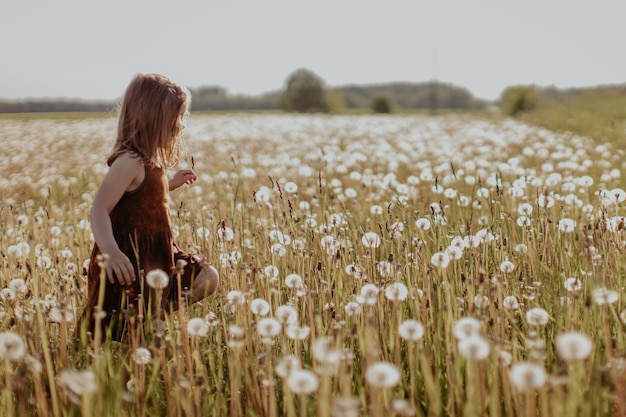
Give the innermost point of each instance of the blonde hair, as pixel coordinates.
(150, 120)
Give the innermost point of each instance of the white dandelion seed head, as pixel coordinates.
(369, 292)
(474, 347)
(297, 333)
(286, 314)
(157, 279)
(271, 271)
(268, 327)
(527, 376)
(507, 267)
(454, 252)
(291, 187)
(466, 327)
(142, 356)
(505, 358)
(440, 259)
(287, 364)
(525, 209)
(324, 351)
(567, 225)
(203, 232)
(79, 382)
(573, 284)
(572, 346)
(12, 347)
(604, 296)
(18, 286)
(371, 240)
(382, 375)
(197, 326)
(353, 308)
(537, 316)
(545, 201)
(376, 210)
(302, 381)
(57, 314)
(510, 302)
(260, 307)
(236, 336)
(293, 281)
(396, 291)
(402, 407)
(329, 243)
(411, 330)
(235, 298)
(481, 301)
(422, 224)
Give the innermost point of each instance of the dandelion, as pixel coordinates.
(346, 407)
(567, 225)
(523, 221)
(604, 296)
(396, 292)
(371, 240)
(454, 252)
(323, 351)
(197, 327)
(14, 251)
(573, 346)
(271, 271)
(545, 201)
(278, 249)
(268, 328)
(293, 281)
(286, 365)
(525, 209)
(466, 327)
(474, 347)
(402, 407)
(537, 316)
(302, 381)
(573, 284)
(384, 268)
(290, 187)
(527, 376)
(521, 248)
(422, 224)
(353, 308)
(142, 356)
(12, 347)
(286, 314)
(411, 330)
(7, 294)
(235, 336)
(507, 267)
(203, 232)
(510, 302)
(157, 279)
(376, 210)
(328, 244)
(18, 286)
(369, 292)
(297, 333)
(260, 307)
(504, 357)
(59, 315)
(440, 259)
(79, 382)
(382, 375)
(235, 298)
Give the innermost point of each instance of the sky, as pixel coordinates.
(91, 49)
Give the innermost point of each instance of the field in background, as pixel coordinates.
(370, 265)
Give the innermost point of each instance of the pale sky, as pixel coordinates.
(91, 49)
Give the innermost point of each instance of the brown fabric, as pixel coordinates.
(142, 229)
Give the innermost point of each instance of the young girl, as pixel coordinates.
(130, 214)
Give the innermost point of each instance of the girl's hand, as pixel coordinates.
(120, 267)
(183, 176)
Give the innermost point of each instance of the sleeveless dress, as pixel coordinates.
(142, 229)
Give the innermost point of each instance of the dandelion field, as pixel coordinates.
(369, 266)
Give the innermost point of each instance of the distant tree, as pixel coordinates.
(336, 100)
(382, 103)
(304, 92)
(518, 99)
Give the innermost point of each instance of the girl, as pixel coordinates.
(130, 214)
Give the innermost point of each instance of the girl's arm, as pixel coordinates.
(183, 176)
(126, 171)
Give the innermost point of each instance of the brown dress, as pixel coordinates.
(142, 229)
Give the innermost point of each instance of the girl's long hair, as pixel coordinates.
(150, 120)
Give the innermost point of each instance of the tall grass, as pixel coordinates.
(389, 265)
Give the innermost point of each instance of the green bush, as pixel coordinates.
(305, 92)
(382, 103)
(519, 99)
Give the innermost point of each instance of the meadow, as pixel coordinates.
(399, 265)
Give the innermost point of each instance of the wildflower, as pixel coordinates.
(203, 232)
(604, 296)
(297, 332)
(268, 328)
(12, 347)
(523, 221)
(474, 347)
(422, 224)
(142, 356)
(197, 327)
(384, 268)
(521, 248)
(278, 249)
(573, 284)
(440, 259)
(510, 302)
(376, 209)
(157, 279)
(18, 285)
(545, 201)
(260, 307)
(567, 225)
(235, 298)
(290, 187)
(293, 281)
(235, 336)
(79, 382)
(402, 407)
(286, 365)
(7, 294)
(328, 243)
(396, 292)
(371, 240)
(59, 314)
(537, 316)
(573, 346)
(525, 209)
(346, 407)
(481, 301)
(271, 271)
(411, 330)
(504, 357)
(353, 308)
(302, 381)
(454, 252)
(466, 327)
(382, 375)
(507, 267)
(527, 376)
(33, 364)
(286, 314)
(622, 316)
(14, 251)
(324, 351)
(369, 292)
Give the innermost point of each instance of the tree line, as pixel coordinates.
(304, 91)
